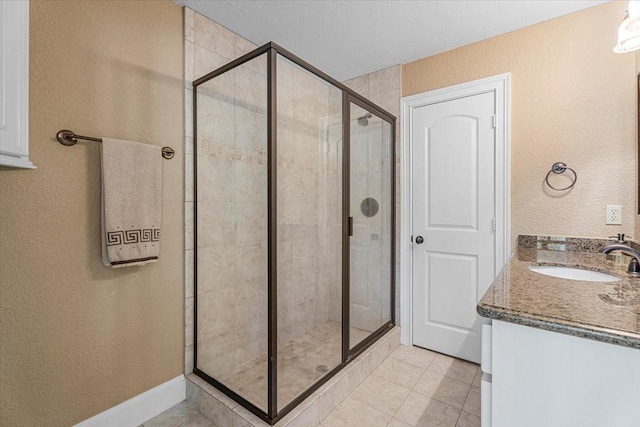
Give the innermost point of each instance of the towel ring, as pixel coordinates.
(559, 168)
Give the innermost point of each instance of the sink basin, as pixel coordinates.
(573, 273)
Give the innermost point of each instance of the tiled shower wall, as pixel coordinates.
(232, 236)
(309, 200)
(232, 176)
(232, 206)
(232, 202)
(371, 162)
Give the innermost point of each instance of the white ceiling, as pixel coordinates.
(349, 38)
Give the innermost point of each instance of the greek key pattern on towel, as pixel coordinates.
(126, 237)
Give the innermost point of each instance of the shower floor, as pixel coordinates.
(301, 363)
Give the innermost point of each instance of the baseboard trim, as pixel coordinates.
(142, 407)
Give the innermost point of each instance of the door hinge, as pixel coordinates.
(494, 121)
(493, 224)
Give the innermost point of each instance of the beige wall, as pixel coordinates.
(573, 100)
(78, 338)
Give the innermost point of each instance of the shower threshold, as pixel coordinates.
(224, 411)
(298, 361)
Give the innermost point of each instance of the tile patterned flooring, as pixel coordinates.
(297, 364)
(412, 387)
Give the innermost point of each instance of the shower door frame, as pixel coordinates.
(272, 50)
(347, 351)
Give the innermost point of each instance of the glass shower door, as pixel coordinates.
(371, 210)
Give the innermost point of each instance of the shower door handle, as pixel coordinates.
(350, 226)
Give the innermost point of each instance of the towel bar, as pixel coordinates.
(69, 138)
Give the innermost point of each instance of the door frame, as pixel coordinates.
(500, 85)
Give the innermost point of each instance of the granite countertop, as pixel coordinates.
(607, 312)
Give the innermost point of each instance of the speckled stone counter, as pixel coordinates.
(607, 312)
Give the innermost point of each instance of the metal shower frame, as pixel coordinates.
(272, 415)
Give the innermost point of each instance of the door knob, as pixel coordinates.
(419, 240)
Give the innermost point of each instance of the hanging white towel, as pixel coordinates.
(131, 202)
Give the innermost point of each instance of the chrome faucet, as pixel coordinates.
(634, 265)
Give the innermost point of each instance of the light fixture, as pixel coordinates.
(629, 31)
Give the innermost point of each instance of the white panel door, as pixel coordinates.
(453, 221)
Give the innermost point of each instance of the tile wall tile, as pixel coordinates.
(188, 328)
(304, 415)
(188, 239)
(188, 191)
(251, 87)
(189, 61)
(188, 274)
(242, 46)
(215, 120)
(207, 60)
(215, 224)
(177, 415)
(217, 267)
(216, 179)
(189, 24)
(390, 101)
(359, 84)
(385, 80)
(250, 221)
(212, 408)
(250, 129)
(188, 112)
(214, 37)
(222, 87)
(188, 359)
(243, 418)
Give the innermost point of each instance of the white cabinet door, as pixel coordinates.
(485, 401)
(14, 84)
(548, 379)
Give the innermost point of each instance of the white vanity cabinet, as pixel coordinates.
(14, 84)
(541, 378)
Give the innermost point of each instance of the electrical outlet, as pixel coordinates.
(614, 215)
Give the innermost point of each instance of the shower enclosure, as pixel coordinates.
(294, 228)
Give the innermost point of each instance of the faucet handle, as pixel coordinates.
(620, 237)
